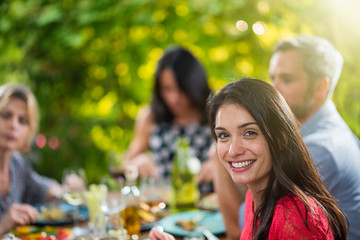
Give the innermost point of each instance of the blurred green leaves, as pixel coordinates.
(91, 63)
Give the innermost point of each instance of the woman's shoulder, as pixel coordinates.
(145, 117)
(145, 113)
(18, 160)
(293, 219)
(291, 202)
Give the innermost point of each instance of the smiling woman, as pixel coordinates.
(259, 144)
(242, 147)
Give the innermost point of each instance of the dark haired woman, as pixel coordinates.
(259, 144)
(177, 109)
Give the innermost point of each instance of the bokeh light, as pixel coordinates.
(40, 140)
(241, 25)
(263, 7)
(53, 143)
(122, 69)
(259, 28)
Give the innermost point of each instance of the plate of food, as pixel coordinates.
(41, 233)
(53, 214)
(193, 222)
(208, 202)
(151, 212)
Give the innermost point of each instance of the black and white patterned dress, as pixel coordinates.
(162, 143)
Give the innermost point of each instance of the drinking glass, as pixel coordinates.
(111, 209)
(74, 185)
(115, 161)
(95, 196)
(153, 194)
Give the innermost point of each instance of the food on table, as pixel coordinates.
(52, 214)
(151, 211)
(209, 202)
(187, 225)
(146, 217)
(41, 233)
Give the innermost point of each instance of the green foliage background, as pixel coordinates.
(91, 63)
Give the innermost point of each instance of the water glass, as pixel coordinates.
(111, 209)
(74, 185)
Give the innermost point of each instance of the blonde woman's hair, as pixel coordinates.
(18, 91)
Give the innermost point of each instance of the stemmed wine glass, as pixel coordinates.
(115, 161)
(74, 185)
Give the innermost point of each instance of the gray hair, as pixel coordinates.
(319, 56)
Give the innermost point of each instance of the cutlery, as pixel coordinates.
(208, 234)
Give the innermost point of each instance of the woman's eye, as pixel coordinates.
(23, 121)
(250, 133)
(5, 115)
(222, 135)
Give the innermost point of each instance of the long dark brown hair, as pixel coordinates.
(189, 75)
(293, 171)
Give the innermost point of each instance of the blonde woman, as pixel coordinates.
(20, 186)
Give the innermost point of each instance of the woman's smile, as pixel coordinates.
(241, 165)
(241, 146)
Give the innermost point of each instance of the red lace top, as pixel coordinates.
(287, 222)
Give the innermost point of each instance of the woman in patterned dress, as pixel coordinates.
(177, 109)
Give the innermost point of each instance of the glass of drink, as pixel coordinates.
(115, 161)
(74, 185)
(111, 209)
(95, 196)
(153, 194)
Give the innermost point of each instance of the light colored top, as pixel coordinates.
(26, 186)
(336, 154)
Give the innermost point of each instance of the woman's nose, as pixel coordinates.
(13, 122)
(175, 96)
(236, 147)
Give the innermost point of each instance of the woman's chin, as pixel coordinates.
(239, 179)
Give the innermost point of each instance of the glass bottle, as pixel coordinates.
(185, 192)
(132, 196)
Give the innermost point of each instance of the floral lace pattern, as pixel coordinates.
(288, 221)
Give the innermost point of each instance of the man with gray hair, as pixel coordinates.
(305, 70)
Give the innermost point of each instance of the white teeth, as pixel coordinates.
(241, 164)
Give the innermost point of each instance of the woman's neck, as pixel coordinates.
(257, 188)
(4, 160)
(186, 119)
(256, 195)
(4, 172)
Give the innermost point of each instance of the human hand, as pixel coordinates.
(145, 164)
(74, 180)
(207, 170)
(206, 174)
(158, 234)
(17, 214)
